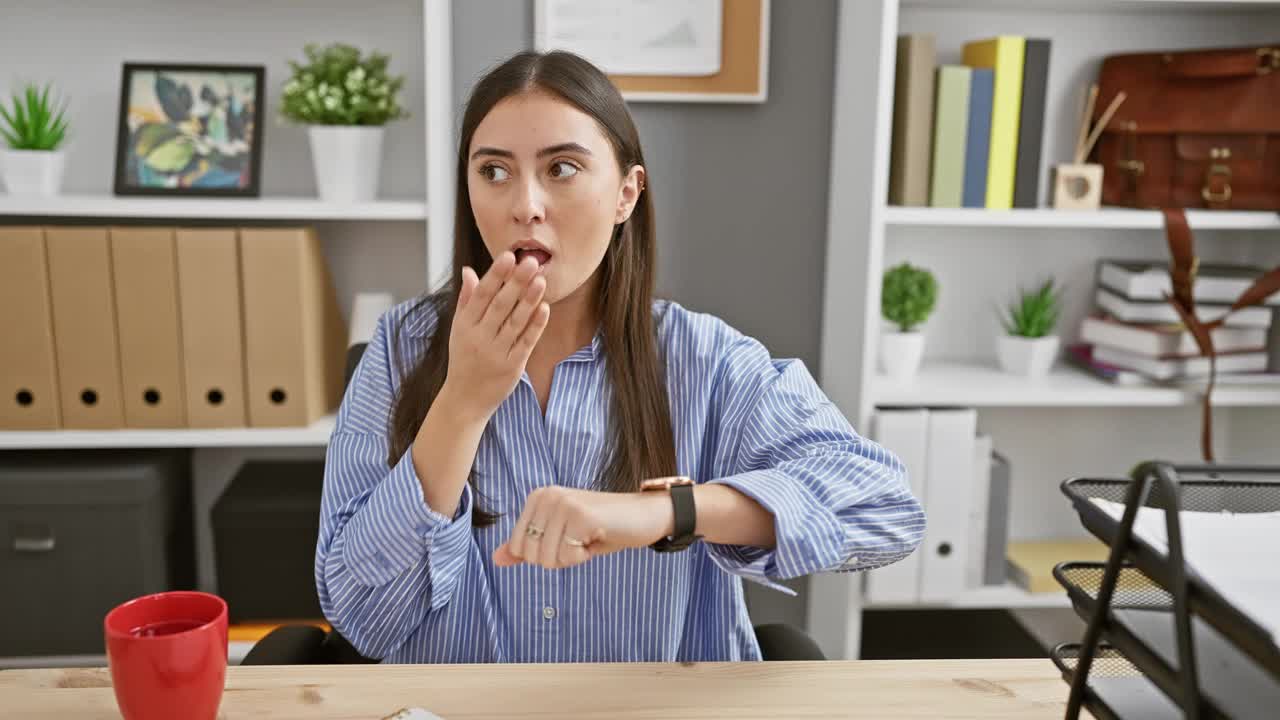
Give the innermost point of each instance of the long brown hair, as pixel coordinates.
(641, 443)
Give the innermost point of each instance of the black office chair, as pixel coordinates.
(311, 645)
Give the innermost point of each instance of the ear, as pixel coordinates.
(629, 194)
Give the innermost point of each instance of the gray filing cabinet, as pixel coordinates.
(82, 531)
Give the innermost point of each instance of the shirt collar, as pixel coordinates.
(419, 322)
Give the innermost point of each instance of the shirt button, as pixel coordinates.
(548, 613)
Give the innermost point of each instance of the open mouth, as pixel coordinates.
(542, 256)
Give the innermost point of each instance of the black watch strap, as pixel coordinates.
(686, 521)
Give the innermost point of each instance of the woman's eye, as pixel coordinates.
(493, 173)
(564, 169)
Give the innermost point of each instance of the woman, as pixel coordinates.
(482, 497)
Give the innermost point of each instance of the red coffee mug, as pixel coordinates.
(168, 655)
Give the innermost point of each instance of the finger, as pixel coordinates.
(573, 550)
(549, 548)
(597, 543)
(489, 286)
(532, 333)
(502, 557)
(507, 297)
(518, 544)
(572, 556)
(519, 318)
(469, 283)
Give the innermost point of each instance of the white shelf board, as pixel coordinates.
(263, 208)
(1106, 218)
(984, 385)
(1093, 6)
(316, 434)
(236, 650)
(993, 596)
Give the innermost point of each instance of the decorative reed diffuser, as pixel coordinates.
(1078, 185)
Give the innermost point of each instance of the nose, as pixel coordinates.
(528, 205)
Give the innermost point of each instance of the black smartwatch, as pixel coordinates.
(686, 515)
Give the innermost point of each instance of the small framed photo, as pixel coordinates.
(189, 129)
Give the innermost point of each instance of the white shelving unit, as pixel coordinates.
(364, 242)
(981, 257)
(437, 109)
(313, 435)
(984, 385)
(1105, 219)
(264, 208)
(994, 596)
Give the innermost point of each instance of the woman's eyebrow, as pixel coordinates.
(564, 147)
(552, 150)
(492, 151)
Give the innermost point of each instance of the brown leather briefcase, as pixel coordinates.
(1197, 129)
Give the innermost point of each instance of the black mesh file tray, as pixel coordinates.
(1199, 488)
(1141, 625)
(1156, 628)
(1116, 689)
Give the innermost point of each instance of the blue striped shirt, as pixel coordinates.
(406, 584)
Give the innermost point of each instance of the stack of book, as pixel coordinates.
(969, 135)
(1134, 335)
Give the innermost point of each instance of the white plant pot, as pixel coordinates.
(347, 160)
(32, 172)
(900, 353)
(1031, 357)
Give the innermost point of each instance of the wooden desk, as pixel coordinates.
(879, 689)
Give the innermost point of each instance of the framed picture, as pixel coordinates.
(189, 130)
(666, 50)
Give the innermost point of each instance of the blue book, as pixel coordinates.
(978, 141)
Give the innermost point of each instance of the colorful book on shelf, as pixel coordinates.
(1183, 366)
(978, 138)
(1154, 340)
(1035, 87)
(950, 130)
(1142, 280)
(1081, 355)
(1004, 55)
(1160, 311)
(911, 148)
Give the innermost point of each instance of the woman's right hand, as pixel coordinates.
(497, 323)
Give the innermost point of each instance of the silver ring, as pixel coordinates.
(572, 542)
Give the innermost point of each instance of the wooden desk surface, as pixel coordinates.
(879, 689)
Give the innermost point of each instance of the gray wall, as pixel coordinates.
(740, 189)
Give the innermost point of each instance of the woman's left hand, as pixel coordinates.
(562, 527)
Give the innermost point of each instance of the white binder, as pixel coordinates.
(904, 432)
(975, 569)
(944, 554)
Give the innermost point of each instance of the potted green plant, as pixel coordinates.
(1029, 346)
(34, 130)
(907, 298)
(345, 99)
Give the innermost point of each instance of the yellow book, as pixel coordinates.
(1004, 55)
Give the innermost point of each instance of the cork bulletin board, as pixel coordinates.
(743, 71)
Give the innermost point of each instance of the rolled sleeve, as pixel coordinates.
(384, 559)
(808, 535)
(839, 501)
(396, 528)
